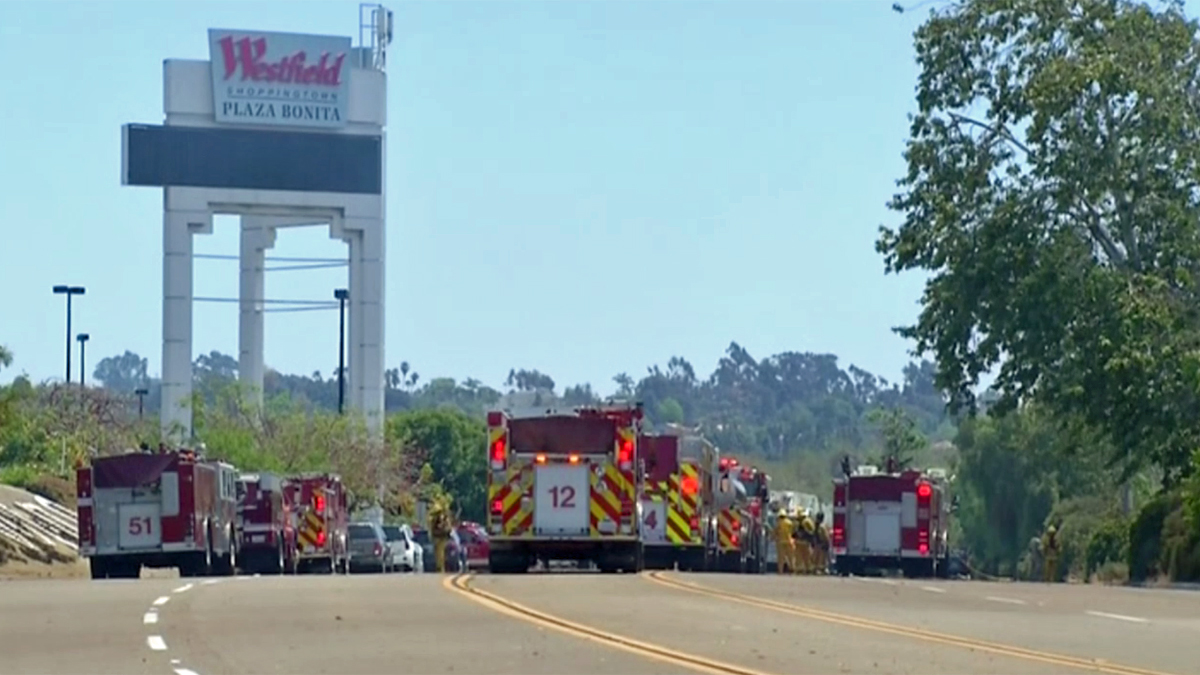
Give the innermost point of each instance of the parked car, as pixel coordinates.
(369, 550)
(475, 543)
(421, 536)
(407, 554)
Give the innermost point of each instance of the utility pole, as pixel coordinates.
(141, 393)
(69, 291)
(341, 294)
(83, 338)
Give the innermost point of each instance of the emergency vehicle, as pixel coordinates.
(738, 540)
(268, 544)
(676, 499)
(172, 509)
(321, 518)
(563, 485)
(898, 520)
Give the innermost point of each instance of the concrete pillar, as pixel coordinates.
(256, 238)
(179, 225)
(365, 319)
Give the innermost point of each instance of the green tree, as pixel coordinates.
(1060, 224)
(901, 440)
(453, 444)
(6, 357)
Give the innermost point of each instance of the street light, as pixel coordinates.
(141, 393)
(341, 294)
(83, 338)
(69, 291)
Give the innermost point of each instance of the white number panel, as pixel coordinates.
(654, 522)
(138, 526)
(562, 498)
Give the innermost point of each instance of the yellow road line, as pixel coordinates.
(1095, 665)
(461, 584)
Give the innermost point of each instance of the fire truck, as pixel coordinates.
(891, 520)
(168, 509)
(676, 499)
(563, 486)
(268, 544)
(321, 518)
(738, 540)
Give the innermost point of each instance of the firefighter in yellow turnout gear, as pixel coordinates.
(821, 546)
(1050, 554)
(440, 529)
(784, 546)
(805, 545)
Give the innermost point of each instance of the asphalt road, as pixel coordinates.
(592, 624)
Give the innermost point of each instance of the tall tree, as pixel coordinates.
(1050, 191)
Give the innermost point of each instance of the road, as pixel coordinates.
(591, 624)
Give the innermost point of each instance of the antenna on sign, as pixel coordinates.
(374, 21)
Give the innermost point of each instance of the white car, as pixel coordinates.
(406, 553)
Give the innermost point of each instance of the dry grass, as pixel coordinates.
(20, 570)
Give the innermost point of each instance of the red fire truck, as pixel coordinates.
(676, 499)
(563, 485)
(321, 520)
(171, 509)
(738, 541)
(265, 509)
(897, 520)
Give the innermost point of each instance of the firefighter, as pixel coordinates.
(785, 548)
(804, 551)
(439, 530)
(1050, 554)
(821, 551)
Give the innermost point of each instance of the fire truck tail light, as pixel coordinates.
(574, 459)
(541, 459)
(319, 503)
(689, 485)
(839, 536)
(625, 454)
(734, 539)
(923, 549)
(924, 490)
(321, 538)
(497, 507)
(498, 453)
(695, 523)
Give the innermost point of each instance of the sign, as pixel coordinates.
(139, 526)
(280, 79)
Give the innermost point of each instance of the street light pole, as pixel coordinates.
(341, 294)
(141, 394)
(69, 291)
(83, 338)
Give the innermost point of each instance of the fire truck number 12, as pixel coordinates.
(139, 526)
(563, 497)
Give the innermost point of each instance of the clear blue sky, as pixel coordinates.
(583, 188)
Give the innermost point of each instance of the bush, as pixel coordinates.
(1180, 556)
(1079, 519)
(1114, 572)
(1109, 544)
(1146, 534)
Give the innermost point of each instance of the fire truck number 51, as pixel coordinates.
(139, 526)
(563, 497)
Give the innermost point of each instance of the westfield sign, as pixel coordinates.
(280, 79)
(249, 55)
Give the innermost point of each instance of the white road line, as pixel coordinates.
(156, 643)
(175, 662)
(150, 617)
(162, 601)
(210, 582)
(933, 589)
(184, 588)
(1119, 617)
(184, 671)
(877, 580)
(1010, 601)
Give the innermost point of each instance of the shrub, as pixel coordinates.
(1145, 536)
(1109, 544)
